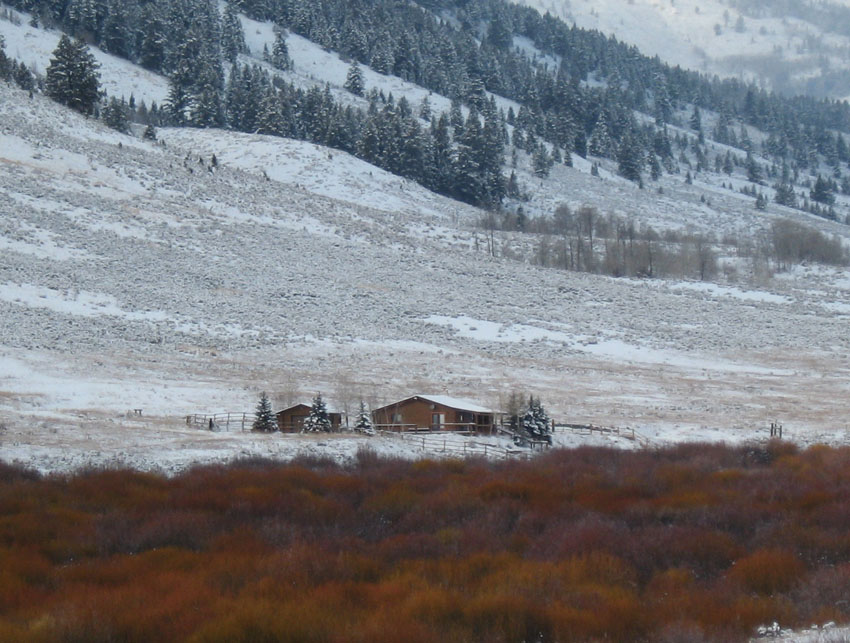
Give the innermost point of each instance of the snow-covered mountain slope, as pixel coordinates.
(135, 275)
(786, 53)
(34, 47)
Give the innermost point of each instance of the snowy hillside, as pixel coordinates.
(786, 53)
(134, 275)
(144, 275)
(34, 46)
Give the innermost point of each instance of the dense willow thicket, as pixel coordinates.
(697, 542)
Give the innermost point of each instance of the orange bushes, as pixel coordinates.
(699, 542)
(768, 571)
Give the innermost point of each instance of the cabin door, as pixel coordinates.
(437, 421)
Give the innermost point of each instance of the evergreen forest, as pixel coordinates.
(585, 93)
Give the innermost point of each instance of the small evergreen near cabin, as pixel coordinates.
(264, 421)
(318, 420)
(364, 421)
(536, 423)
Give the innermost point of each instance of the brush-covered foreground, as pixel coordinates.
(698, 542)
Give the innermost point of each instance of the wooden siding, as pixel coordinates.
(291, 420)
(421, 414)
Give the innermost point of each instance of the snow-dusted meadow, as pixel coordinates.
(134, 275)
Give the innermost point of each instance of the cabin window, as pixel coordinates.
(397, 418)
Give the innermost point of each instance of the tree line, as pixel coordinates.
(193, 43)
(586, 240)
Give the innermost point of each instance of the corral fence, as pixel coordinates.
(221, 421)
(627, 433)
(449, 439)
(454, 445)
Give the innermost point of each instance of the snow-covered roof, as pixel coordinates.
(455, 403)
(330, 407)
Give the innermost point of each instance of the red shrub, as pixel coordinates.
(768, 571)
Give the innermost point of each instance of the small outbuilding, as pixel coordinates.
(291, 419)
(434, 413)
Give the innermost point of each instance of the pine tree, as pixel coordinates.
(654, 166)
(535, 422)
(784, 190)
(754, 171)
(761, 201)
(5, 62)
(728, 164)
(630, 159)
(72, 78)
(696, 120)
(364, 420)
(115, 115)
(23, 77)
(280, 52)
(822, 192)
(118, 37)
(232, 36)
(425, 112)
(354, 80)
(153, 38)
(264, 421)
(541, 161)
(149, 133)
(318, 420)
(600, 143)
(206, 106)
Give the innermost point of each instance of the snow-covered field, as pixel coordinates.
(135, 276)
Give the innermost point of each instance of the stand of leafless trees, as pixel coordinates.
(585, 240)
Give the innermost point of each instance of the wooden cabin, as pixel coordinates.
(291, 419)
(434, 413)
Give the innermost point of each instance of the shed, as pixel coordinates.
(434, 413)
(291, 419)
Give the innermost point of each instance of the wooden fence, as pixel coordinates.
(438, 441)
(589, 429)
(222, 421)
(453, 445)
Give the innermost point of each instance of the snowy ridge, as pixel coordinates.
(707, 36)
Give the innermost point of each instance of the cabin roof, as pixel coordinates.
(457, 403)
(309, 405)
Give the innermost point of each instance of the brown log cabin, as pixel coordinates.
(291, 419)
(434, 413)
